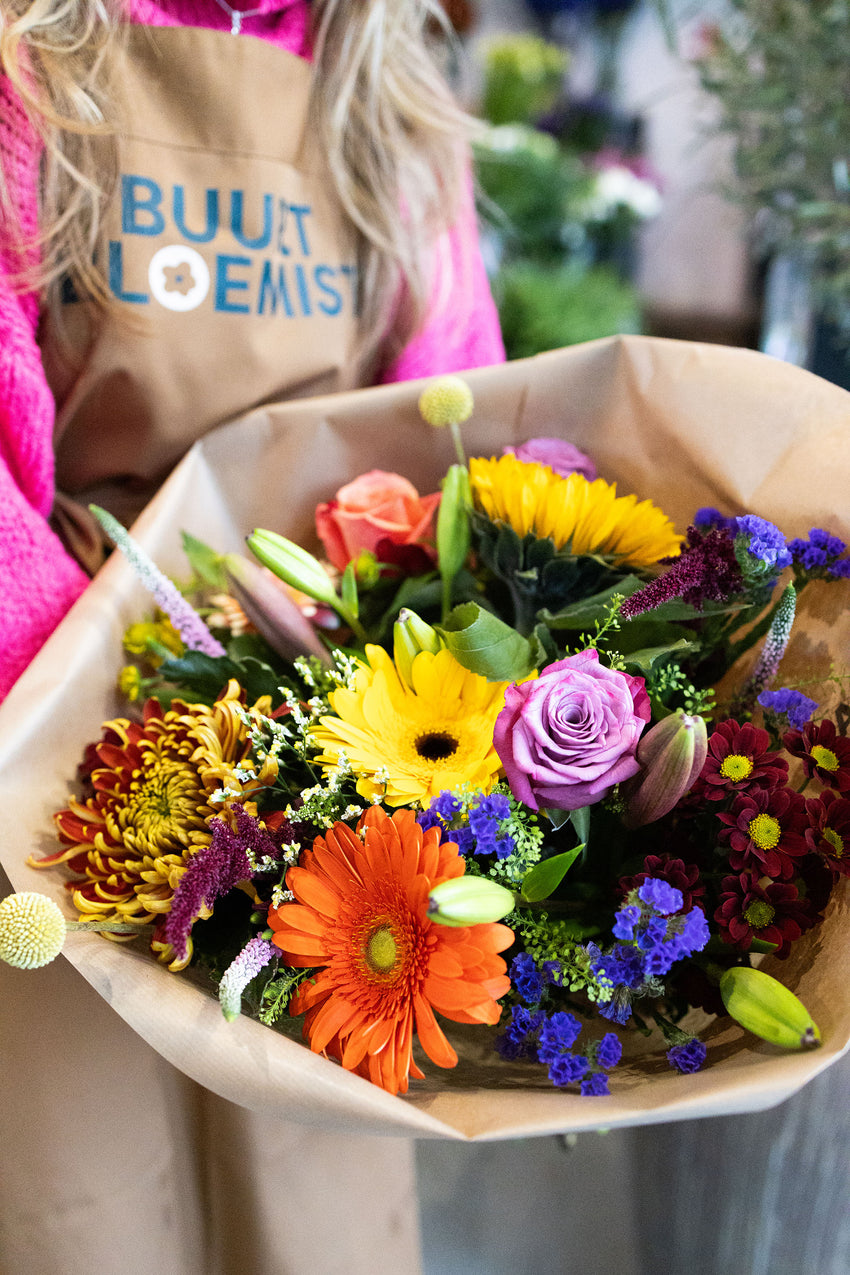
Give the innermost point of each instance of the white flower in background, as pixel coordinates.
(616, 186)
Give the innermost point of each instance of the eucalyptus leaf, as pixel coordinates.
(544, 878)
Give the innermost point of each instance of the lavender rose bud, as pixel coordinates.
(560, 456)
(566, 738)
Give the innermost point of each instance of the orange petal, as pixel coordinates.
(431, 1035)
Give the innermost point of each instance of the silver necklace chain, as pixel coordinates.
(237, 16)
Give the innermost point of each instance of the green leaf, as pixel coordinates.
(206, 676)
(649, 655)
(585, 613)
(545, 877)
(348, 590)
(205, 562)
(484, 644)
(580, 819)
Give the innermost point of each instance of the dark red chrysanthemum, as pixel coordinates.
(739, 760)
(823, 752)
(774, 912)
(765, 832)
(683, 876)
(828, 834)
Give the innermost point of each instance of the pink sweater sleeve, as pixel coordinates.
(462, 328)
(38, 580)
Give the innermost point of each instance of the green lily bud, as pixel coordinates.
(294, 565)
(469, 901)
(411, 635)
(672, 754)
(453, 528)
(767, 1008)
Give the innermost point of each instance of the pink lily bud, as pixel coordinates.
(671, 756)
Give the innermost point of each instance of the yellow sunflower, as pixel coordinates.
(435, 734)
(153, 784)
(584, 517)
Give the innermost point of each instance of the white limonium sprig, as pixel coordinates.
(167, 596)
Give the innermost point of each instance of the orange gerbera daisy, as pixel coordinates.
(361, 917)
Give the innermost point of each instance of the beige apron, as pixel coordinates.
(230, 254)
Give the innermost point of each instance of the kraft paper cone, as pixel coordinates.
(684, 424)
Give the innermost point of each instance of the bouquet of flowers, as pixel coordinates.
(516, 754)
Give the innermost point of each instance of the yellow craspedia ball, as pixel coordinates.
(446, 401)
(32, 930)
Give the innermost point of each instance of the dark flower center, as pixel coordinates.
(759, 914)
(825, 758)
(436, 745)
(736, 767)
(765, 831)
(835, 840)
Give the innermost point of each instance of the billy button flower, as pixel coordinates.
(828, 834)
(824, 753)
(773, 912)
(765, 832)
(739, 760)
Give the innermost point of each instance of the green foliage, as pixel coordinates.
(523, 76)
(543, 308)
(780, 70)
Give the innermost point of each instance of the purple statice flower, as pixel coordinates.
(567, 1069)
(529, 981)
(818, 553)
(519, 1039)
(774, 647)
(763, 541)
(558, 1034)
(608, 1051)
(247, 965)
(595, 1085)
(839, 570)
(480, 834)
(688, 1057)
(708, 518)
(796, 707)
(625, 921)
(705, 571)
(622, 966)
(660, 895)
(213, 871)
(167, 596)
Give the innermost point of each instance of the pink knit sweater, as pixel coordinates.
(38, 580)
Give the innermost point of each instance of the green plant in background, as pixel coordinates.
(545, 309)
(551, 213)
(780, 70)
(523, 78)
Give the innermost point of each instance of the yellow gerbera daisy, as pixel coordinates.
(584, 517)
(435, 734)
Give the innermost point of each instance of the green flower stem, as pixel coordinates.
(458, 442)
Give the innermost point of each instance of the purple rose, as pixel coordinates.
(566, 738)
(561, 457)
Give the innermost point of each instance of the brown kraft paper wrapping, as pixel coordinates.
(684, 424)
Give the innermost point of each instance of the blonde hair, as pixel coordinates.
(384, 115)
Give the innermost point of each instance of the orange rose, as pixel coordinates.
(375, 507)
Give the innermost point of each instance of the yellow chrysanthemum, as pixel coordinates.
(153, 788)
(581, 516)
(435, 734)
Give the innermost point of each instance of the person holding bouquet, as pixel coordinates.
(207, 208)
